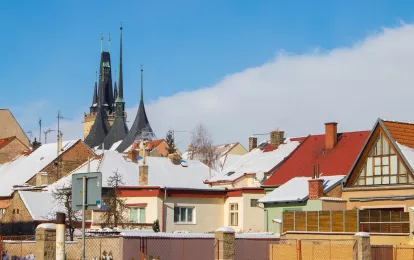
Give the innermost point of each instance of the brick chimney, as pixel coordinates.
(132, 155)
(252, 143)
(277, 137)
(331, 135)
(36, 144)
(315, 184)
(143, 175)
(59, 144)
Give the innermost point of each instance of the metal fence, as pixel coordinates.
(253, 249)
(314, 249)
(17, 247)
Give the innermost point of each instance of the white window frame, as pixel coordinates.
(179, 209)
(139, 220)
(234, 212)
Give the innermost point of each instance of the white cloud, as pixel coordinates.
(299, 93)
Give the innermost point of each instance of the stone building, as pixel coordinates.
(10, 148)
(10, 127)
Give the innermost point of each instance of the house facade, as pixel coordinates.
(10, 127)
(10, 148)
(382, 175)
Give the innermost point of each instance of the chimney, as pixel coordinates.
(252, 143)
(41, 179)
(143, 175)
(331, 135)
(132, 155)
(36, 144)
(276, 137)
(315, 184)
(59, 144)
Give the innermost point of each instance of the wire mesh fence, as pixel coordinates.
(328, 249)
(283, 249)
(178, 248)
(253, 249)
(403, 252)
(17, 247)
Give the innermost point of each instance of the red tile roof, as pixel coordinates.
(337, 161)
(5, 141)
(402, 132)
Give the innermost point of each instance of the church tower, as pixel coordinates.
(119, 128)
(107, 102)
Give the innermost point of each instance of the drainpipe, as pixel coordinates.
(266, 220)
(164, 220)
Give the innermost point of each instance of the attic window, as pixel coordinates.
(41, 158)
(262, 145)
(229, 173)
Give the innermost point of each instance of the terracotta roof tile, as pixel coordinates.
(336, 161)
(402, 132)
(5, 141)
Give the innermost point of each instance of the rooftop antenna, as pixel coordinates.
(109, 42)
(142, 83)
(101, 40)
(30, 136)
(46, 133)
(40, 131)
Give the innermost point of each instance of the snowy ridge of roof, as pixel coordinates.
(161, 172)
(255, 161)
(408, 153)
(115, 145)
(297, 189)
(332, 199)
(41, 205)
(398, 122)
(24, 167)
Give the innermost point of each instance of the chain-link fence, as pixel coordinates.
(313, 249)
(253, 249)
(403, 252)
(17, 247)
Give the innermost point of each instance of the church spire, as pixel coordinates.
(95, 95)
(115, 92)
(121, 78)
(142, 84)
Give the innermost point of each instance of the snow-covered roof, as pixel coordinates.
(24, 167)
(297, 189)
(255, 161)
(41, 205)
(161, 171)
(229, 159)
(115, 145)
(408, 153)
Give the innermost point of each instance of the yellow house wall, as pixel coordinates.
(207, 214)
(10, 127)
(226, 211)
(347, 194)
(253, 217)
(238, 150)
(333, 205)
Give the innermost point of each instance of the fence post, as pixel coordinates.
(299, 249)
(364, 245)
(227, 247)
(45, 247)
(60, 235)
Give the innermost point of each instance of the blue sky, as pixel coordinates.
(51, 48)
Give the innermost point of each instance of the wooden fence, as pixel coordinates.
(346, 221)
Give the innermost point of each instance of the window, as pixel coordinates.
(2, 212)
(229, 173)
(234, 214)
(137, 215)
(184, 215)
(253, 202)
(383, 166)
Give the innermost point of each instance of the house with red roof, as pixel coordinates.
(10, 148)
(382, 176)
(331, 154)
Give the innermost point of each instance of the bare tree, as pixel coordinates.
(114, 206)
(202, 147)
(63, 195)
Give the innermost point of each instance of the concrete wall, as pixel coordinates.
(207, 214)
(333, 205)
(347, 194)
(275, 211)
